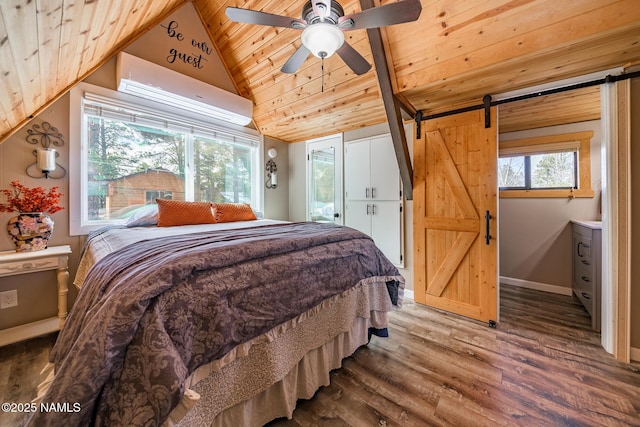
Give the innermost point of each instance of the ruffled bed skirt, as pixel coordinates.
(264, 382)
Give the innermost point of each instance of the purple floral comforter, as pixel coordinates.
(152, 312)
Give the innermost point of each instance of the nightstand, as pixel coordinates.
(15, 263)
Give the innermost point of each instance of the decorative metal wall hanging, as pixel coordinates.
(45, 165)
(272, 169)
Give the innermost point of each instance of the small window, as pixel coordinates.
(511, 172)
(549, 166)
(539, 171)
(151, 196)
(554, 170)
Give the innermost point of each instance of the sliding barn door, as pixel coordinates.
(455, 197)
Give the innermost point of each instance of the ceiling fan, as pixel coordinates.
(323, 23)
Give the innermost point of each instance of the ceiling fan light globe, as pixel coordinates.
(322, 39)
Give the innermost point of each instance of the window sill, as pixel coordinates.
(567, 194)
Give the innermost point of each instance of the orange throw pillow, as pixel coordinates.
(178, 212)
(230, 212)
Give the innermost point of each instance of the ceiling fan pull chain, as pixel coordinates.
(322, 89)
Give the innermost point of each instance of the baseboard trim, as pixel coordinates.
(545, 287)
(408, 293)
(635, 354)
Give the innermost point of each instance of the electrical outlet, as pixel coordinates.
(8, 299)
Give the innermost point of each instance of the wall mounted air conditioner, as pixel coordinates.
(154, 82)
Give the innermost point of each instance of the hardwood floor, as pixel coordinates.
(20, 366)
(542, 366)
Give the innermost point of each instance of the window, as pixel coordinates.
(151, 196)
(131, 155)
(539, 171)
(550, 166)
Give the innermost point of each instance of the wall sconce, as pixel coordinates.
(45, 165)
(271, 168)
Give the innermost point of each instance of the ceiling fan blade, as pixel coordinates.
(353, 59)
(296, 60)
(382, 16)
(262, 18)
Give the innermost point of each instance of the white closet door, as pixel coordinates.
(356, 171)
(385, 229)
(358, 215)
(385, 174)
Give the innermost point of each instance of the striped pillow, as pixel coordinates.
(179, 212)
(230, 212)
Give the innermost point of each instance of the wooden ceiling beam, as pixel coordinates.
(391, 105)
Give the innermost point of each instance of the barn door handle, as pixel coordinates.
(487, 235)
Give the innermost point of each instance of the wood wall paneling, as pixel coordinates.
(454, 54)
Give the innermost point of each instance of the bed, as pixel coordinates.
(214, 324)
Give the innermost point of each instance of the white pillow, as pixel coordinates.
(144, 216)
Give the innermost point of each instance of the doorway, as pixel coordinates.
(324, 178)
(613, 204)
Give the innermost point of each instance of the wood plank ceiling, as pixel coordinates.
(457, 51)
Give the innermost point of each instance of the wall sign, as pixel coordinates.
(188, 50)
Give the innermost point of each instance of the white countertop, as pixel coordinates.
(596, 225)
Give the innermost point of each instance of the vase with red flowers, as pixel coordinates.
(31, 229)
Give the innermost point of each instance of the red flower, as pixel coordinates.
(29, 200)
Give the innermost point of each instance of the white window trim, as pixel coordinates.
(77, 151)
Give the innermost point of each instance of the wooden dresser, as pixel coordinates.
(587, 267)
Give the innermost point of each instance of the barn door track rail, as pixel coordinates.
(487, 102)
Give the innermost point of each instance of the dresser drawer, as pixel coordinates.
(584, 263)
(587, 300)
(582, 246)
(584, 281)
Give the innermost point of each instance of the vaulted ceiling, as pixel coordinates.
(458, 51)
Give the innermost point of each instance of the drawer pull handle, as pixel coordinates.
(585, 262)
(586, 295)
(579, 254)
(586, 279)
